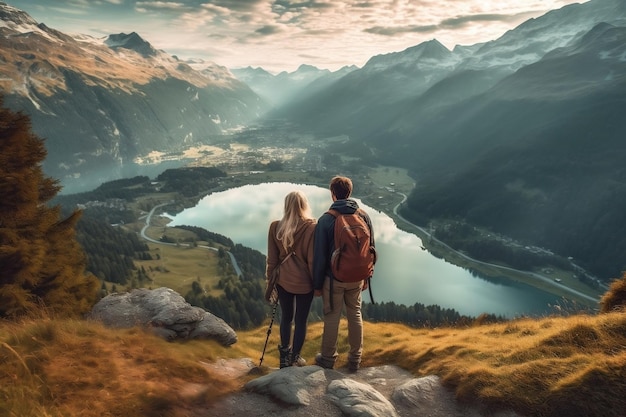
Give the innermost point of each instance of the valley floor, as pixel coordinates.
(385, 189)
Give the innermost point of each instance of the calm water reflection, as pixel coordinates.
(404, 273)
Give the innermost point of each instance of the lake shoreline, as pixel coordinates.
(385, 189)
(418, 275)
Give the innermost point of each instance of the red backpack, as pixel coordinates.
(354, 256)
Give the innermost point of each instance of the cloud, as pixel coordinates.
(239, 5)
(78, 3)
(300, 5)
(280, 34)
(401, 30)
(70, 11)
(160, 5)
(460, 21)
(69, 6)
(452, 23)
(365, 4)
(268, 30)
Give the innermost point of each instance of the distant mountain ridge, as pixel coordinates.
(99, 103)
(286, 86)
(394, 77)
(524, 135)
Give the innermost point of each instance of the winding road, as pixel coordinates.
(149, 239)
(504, 268)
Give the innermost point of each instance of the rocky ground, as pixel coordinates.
(311, 391)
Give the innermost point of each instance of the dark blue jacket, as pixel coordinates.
(324, 242)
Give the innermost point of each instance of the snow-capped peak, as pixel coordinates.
(20, 21)
(131, 41)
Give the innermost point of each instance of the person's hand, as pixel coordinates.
(317, 293)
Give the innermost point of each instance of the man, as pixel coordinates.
(335, 293)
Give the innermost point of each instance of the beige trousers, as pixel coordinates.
(346, 294)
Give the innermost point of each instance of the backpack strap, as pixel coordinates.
(287, 257)
(283, 261)
(271, 294)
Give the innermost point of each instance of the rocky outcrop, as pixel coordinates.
(311, 391)
(164, 312)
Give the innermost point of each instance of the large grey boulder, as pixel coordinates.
(163, 311)
(358, 399)
(292, 385)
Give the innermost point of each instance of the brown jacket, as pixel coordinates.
(296, 274)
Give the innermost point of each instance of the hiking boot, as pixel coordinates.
(324, 363)
(298, 360)
(353, 366)
(285, 356)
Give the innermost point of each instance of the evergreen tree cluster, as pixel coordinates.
(205, 235)
(126, 189)
(251, 262)
(190, 181)
(41, 262)
(110, 217)
(242, 305)
(420, 315)
(110, 250)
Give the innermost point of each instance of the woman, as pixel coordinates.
(292, 234)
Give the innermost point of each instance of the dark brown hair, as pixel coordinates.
(341, 187)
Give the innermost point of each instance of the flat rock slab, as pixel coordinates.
(311, 391)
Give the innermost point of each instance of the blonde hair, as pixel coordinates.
(296, 208)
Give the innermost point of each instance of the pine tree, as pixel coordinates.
(41, 263)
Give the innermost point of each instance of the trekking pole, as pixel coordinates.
(269, 331)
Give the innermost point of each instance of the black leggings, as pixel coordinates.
(289, 302)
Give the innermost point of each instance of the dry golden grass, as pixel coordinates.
(574, 366)
(555, 366)
(177, 267)
(79, 368)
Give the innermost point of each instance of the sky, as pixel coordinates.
(281, 35)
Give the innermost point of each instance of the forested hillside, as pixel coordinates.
(110, 250)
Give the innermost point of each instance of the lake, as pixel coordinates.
(404, 274)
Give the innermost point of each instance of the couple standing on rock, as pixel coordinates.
(311, 245)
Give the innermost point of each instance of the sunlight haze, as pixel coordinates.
(281, 35)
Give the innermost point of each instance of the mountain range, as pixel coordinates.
(523, 135)
(100, 103)
(285, 87)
